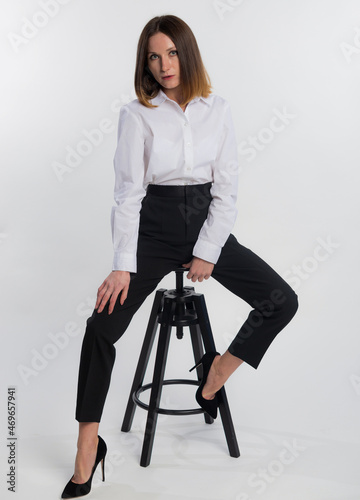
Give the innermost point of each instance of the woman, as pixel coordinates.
(175, 190)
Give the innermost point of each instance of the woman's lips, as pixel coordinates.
(167, 77)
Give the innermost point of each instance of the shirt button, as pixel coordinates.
(188, 168)
(185, 124)
(189, 143)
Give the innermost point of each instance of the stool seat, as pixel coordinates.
(179, 307)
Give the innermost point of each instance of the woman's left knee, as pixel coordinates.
(290, 305)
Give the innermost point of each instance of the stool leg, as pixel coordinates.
(228, 424)
(198, 350)
(143, 359)
(209, 344)
(158, 378)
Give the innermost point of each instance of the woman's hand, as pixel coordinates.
(199, 269)
(116, 282)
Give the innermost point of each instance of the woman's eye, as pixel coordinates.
(171, 52)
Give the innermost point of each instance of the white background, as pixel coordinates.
(297, 191)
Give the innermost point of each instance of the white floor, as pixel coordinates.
(190, 460)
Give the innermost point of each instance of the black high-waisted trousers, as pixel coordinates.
(170, 220)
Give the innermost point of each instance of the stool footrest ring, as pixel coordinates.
(165, 411)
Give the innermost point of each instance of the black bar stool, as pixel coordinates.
(177, 307)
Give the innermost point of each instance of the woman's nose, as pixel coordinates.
(165, 64)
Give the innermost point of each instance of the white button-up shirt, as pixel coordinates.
(168, 146)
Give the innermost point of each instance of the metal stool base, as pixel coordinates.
(174, 308)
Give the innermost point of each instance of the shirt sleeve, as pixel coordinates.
(129, 190)
(222, 209)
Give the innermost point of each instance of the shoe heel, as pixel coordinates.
(103, 468)
(197, 364)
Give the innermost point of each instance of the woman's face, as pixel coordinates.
(162, 59)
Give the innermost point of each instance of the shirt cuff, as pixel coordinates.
(124, 262)
(207, 251)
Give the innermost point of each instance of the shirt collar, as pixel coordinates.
(161, 97)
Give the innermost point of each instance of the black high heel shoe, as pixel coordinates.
(209, 405)
(73, 490)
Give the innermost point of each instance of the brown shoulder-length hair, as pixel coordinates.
(195, 80)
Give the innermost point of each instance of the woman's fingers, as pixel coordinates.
(116, 282)
(199, 270)
(100, 294)
(104, 297)
(124, 294)
(114, 297)
(112, 302)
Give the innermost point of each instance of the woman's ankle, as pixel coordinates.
(227, 364)
(88, 435)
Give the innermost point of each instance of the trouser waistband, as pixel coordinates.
(177, 191)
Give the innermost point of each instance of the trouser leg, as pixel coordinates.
(249, 277)
(103, 330)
